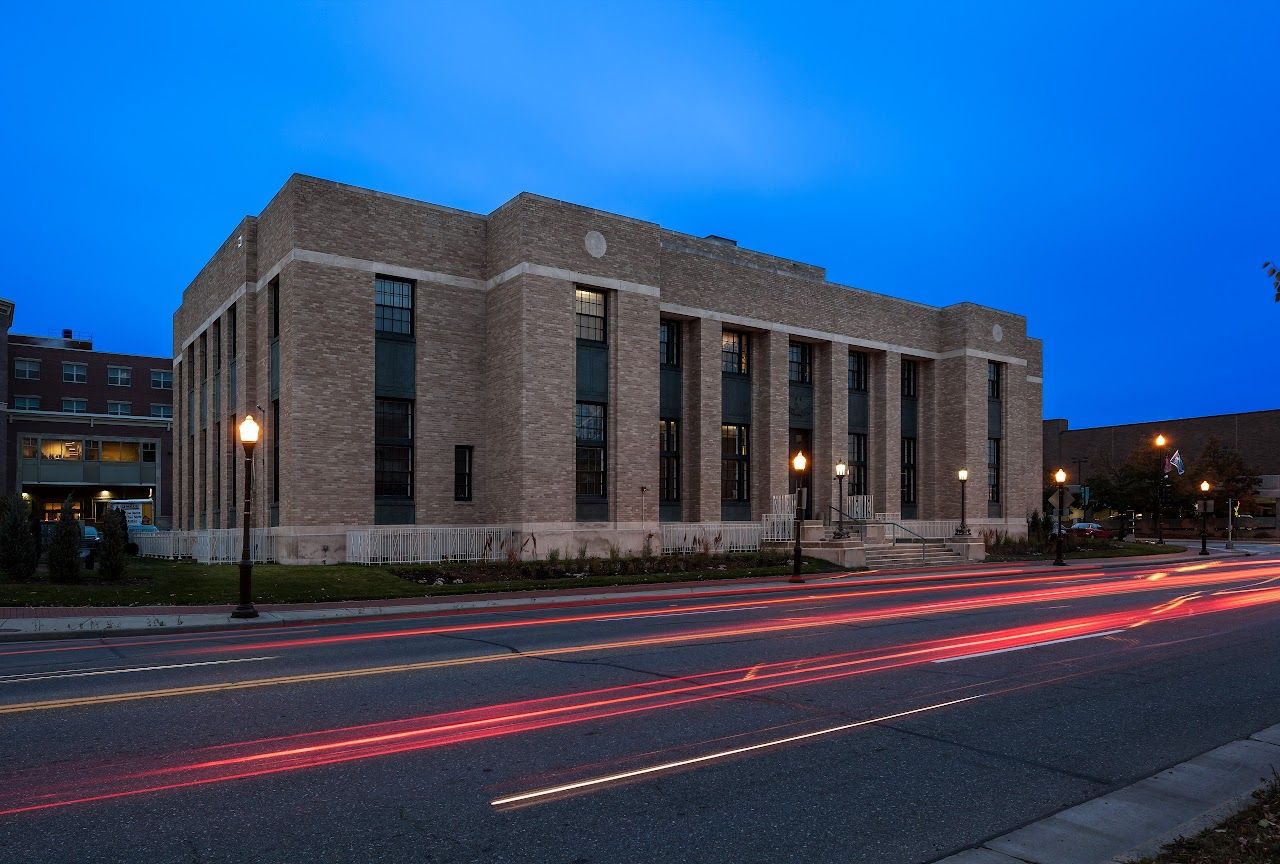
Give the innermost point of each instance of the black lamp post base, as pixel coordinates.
(963, 532)
(244, 612)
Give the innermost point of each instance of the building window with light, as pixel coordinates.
(119, 376)
(800, 363)
(589, 315)
(393, 448)
(30, 448)
(75, 373)
(734, 351)
(735, 464)
(26, 370)
(393, 306)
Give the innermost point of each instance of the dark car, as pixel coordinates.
(1089, 529)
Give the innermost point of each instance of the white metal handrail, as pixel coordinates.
(686, 538)
(420, 544)
(924, 529)
(778, 526)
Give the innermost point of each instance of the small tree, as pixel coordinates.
(1273, 271)
(17, 546)
(64, 546)
(115, 537)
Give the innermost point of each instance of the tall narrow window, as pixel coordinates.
(231, 333)
(393, 310)
(462, 456)
(216, 479)
(858, 371)
(275, 452)
(668, 461)
(910, 371)
(273, 291)
(734, 350)
(588, 307)
(735, 465)
(669, 343)
(589, 432)
(993, 380)
(993, 469)
(908, 471)
(858, 464)
(393, 448)
(800, 363)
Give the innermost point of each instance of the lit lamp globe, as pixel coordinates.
(963, 474)
(799, 461)
(1204, 486)
(1160, 440)
(841, 469)
(1060, 476)
(249, 430)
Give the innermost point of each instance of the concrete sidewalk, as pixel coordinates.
(1140, 819)
(24, 623)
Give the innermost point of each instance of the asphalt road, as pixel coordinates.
(844, 720)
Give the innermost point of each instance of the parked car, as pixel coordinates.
(89, 540)
(135, 530)
(1089, 529)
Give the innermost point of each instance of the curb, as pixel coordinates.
(1143, 817)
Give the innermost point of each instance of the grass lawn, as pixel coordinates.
(1249, 837)
(151, 582)
(1113, 549)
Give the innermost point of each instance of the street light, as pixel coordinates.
(248, 438)
(1204, 517)
(1161, 442)
(841, 471)
(1061, 477)
(797, 464)
(963, 530)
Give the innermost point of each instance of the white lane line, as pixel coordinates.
(676, 614)
(1032, 645)
(69, 673)
(720, 754)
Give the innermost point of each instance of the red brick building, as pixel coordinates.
(87, 424)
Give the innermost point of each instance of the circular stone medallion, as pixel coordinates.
(997, 333)
(595, 243)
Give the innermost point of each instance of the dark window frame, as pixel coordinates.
(393, 306)
(993, 470)
(669, 460)
(735, 462)
(73, 367)
(590, 316)
(591, 456)
(158, 375)
(75, 399)
(669, 342)
(910, 379)
(735, 352)
(393, 469)
(463, 468)
(858, 478)
(993, 380)
(799, 363)
(859, 371)
(909, 489)
(20, 374)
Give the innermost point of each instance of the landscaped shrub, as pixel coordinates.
(64, 547)
(17, 547)
(115, 537)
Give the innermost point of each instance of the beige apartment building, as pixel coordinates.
(579, 374)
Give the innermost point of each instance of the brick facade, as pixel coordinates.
(494, 365)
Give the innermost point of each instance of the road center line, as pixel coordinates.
(27, 677)
(675, 614)
(1032, 645)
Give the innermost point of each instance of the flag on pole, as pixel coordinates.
(1175, 461)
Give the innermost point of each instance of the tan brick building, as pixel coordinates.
(417, 364)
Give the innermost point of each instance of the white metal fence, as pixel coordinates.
(778, 526)
(411, 544)
(929, 529)
(165, 544)
(223, 545)
(858, 507)
(686, 538)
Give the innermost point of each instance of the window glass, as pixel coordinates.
(993, 380)
(734, 465)
(120, 451)
(590, 462)
(800, 363)
(668, 460)
(909, 375)
(858, 370)
(92, 451)
(858, 464)
(908, 471)
(589, 422)
(26, 403)
(119, 409)
(162, 411)
(26, 369)
(733, 351)
(588, 307)
(393, 309)
(669, 343)
(393, 453)
(75, 373)
(993, 469)
(119, 376)
(30, 448)
(60, 451)
(462, 456)
(149, 455)
(75, 406)
(161, 379)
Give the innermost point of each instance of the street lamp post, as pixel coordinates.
(1204, 517)
(842, 469)
(248, 438)
(797, 464)
(1161, 441)
(963, 530)
(1061, 477)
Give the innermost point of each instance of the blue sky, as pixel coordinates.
(1109, 170)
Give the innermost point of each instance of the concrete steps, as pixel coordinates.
(887, 556)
